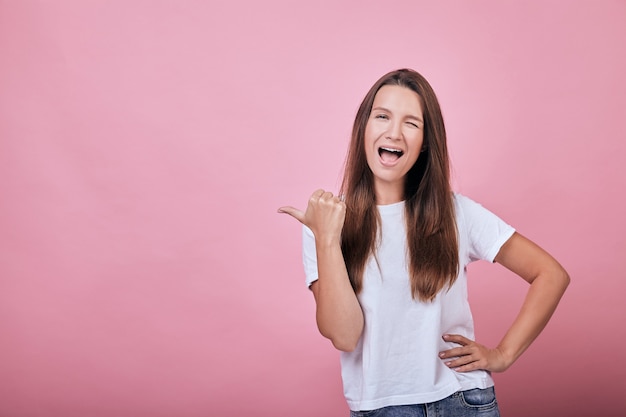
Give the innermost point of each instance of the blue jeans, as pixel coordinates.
(470, 403)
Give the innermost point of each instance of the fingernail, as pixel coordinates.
(441, 355)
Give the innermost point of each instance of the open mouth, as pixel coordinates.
(389, 155)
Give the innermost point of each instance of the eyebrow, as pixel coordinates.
(389, 111)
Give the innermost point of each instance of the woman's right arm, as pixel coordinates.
(338, 312)
(339, 315)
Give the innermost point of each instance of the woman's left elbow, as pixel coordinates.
(562, 278)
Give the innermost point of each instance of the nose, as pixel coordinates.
(395, 131)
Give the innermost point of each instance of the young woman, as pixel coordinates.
(386, 262)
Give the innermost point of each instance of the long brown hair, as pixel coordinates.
(431, 226)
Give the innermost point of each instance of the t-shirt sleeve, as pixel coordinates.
(309, 256)
(486, 232)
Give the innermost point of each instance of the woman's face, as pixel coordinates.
(393, 139)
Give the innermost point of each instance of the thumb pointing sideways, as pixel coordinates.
(293, 212)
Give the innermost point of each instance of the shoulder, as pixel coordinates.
(477, 219)
(485, 231)
(466, 207)
(462, 201)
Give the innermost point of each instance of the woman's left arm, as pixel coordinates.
(548, 281)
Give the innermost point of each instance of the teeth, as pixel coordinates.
(391, 150)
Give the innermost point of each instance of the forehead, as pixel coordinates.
(398, 98)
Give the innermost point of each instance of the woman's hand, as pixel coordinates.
(471, 356)
(324, 215)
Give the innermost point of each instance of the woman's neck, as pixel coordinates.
(389, 194)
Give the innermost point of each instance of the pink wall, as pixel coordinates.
(145, 147)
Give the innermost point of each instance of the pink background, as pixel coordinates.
(145, 146)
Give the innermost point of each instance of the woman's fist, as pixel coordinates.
(324, 215)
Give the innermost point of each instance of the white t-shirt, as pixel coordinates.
(396, 360)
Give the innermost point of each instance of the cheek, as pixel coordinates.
(369, 154)
(418, 141)
(368, 134)
(414, 138)
(416, 145)
(368, 142)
